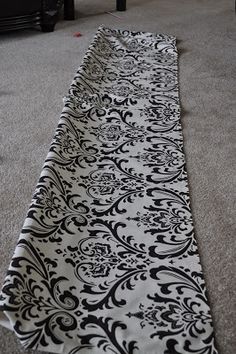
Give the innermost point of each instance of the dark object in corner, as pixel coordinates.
(120, 5)
(20, 14)
(15, 14)
(69, 10)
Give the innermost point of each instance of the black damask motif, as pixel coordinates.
(107, 254)
(173, 315)
(108, 340)
(107, 261)
(35, 294)
(70, 147)
(112, 185)
(54, 209)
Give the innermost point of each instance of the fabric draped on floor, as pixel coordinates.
(107, 261)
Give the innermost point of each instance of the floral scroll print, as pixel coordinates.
(107, 261)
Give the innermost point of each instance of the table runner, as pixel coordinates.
(107, 261)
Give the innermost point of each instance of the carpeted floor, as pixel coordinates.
(36, 70)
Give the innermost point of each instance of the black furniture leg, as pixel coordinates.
(49, 20)
(120, 5)
(47, 27)
(49, 15)
(69, 10)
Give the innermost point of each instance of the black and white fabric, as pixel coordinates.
(107, 261)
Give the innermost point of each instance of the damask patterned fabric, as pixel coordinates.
(107, 261)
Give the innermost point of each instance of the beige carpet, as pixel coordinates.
(36, 70)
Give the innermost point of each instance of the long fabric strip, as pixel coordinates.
(107, 261)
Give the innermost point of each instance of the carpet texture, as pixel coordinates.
(36, 70)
